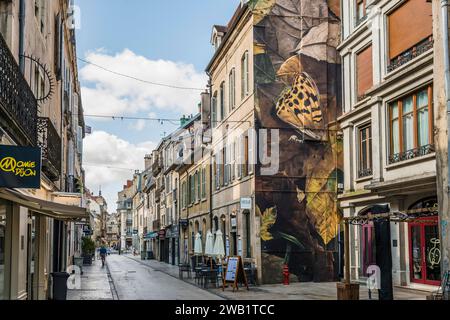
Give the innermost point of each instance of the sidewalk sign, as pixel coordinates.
(235, 273)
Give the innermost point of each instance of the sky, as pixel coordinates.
(159, 41)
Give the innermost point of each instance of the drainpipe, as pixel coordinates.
(445, 215)
(22, 36)
(211, 169)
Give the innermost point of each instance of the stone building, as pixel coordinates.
(389, 143)
(40, 106)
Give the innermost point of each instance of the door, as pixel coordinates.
(425, 251)
(368, 247)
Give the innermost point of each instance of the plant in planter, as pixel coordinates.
(88, 250)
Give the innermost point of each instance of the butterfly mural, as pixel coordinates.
(299, 106)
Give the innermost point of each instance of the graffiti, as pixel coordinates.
(434, 253)
(297, 81)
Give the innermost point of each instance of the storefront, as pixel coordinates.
(172, 238)
(163, 246)
(28, 250)
(424, 246)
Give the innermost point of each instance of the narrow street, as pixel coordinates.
(135, 281)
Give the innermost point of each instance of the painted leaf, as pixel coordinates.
(268, 219)
(321, 192)
(260, 9)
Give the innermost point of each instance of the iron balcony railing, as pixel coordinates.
(411, 53)
(412, 154)
(50, 143)
(18, 105)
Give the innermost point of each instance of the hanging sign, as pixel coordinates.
(20, 167)
(246, 203)
(235, 273)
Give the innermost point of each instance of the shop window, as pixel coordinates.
(365, 151)
(411, 126)
(364, 72)
(410, 32)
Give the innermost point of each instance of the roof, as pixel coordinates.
(238, 14)
(222, 29)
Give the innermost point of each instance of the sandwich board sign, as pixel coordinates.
(235, 273)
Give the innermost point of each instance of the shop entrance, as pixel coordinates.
(368, 247)
(425, 251)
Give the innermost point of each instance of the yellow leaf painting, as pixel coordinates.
(268, 219)
(261, 9)
(321, 200)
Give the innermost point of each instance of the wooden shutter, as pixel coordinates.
(409, 24)
(364, 70)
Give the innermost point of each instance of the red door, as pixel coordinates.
(368, 246)
(425, 251)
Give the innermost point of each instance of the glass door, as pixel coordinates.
(425, 254)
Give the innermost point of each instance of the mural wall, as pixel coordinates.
(297, 80)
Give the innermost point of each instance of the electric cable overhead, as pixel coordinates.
(138, 79)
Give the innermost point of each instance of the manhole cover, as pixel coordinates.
(131, 271)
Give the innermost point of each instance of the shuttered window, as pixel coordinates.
(409, 25)
(364, 71)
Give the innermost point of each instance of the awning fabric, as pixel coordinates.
(47, 208)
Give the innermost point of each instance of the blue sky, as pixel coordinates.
(157, 40)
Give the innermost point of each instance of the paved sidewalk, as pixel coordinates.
(295, 291)
(94, 284)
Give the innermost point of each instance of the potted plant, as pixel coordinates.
(88, 250)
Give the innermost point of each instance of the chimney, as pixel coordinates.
(148, 161)
(129, 183)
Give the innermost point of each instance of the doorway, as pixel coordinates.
(33, 248)
(425, 251)
(368, 247)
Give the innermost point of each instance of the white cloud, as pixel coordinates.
(110, 94)
(106, 160)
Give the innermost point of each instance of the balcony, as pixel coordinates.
(18, 105)
(50, 143)
(412, 154)
(129, 222)
(156, 224)
(410, 54)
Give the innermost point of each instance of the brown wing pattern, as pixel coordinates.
(299, 106)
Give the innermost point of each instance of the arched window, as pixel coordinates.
(245, 76)
(222, 101)
(232, 89)
(214, 110)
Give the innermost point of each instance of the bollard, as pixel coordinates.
(286, 275)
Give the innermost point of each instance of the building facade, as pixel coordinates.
(40, 107)
(388, 126)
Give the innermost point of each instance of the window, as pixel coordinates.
(364, 71)
(197, 178)
(232, 89)
(360, 11)
(183, 195)
(204, 183)
(222, 101)
(192, 190)
(410, 31)
(411, 126)
(250, 151)
(365, 151)
(245, 76)
(245, 164)
(214, 110)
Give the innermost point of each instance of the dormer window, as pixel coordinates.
(217, 36)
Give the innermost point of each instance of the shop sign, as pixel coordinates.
(184, 222)
(20, 167)
(246, 203)
(233, 222)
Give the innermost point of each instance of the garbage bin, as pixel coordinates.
(150, 255)
(60, 285)
(143, 255)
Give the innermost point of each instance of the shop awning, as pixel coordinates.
(47, 208)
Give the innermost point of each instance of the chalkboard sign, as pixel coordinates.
(235, 273)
